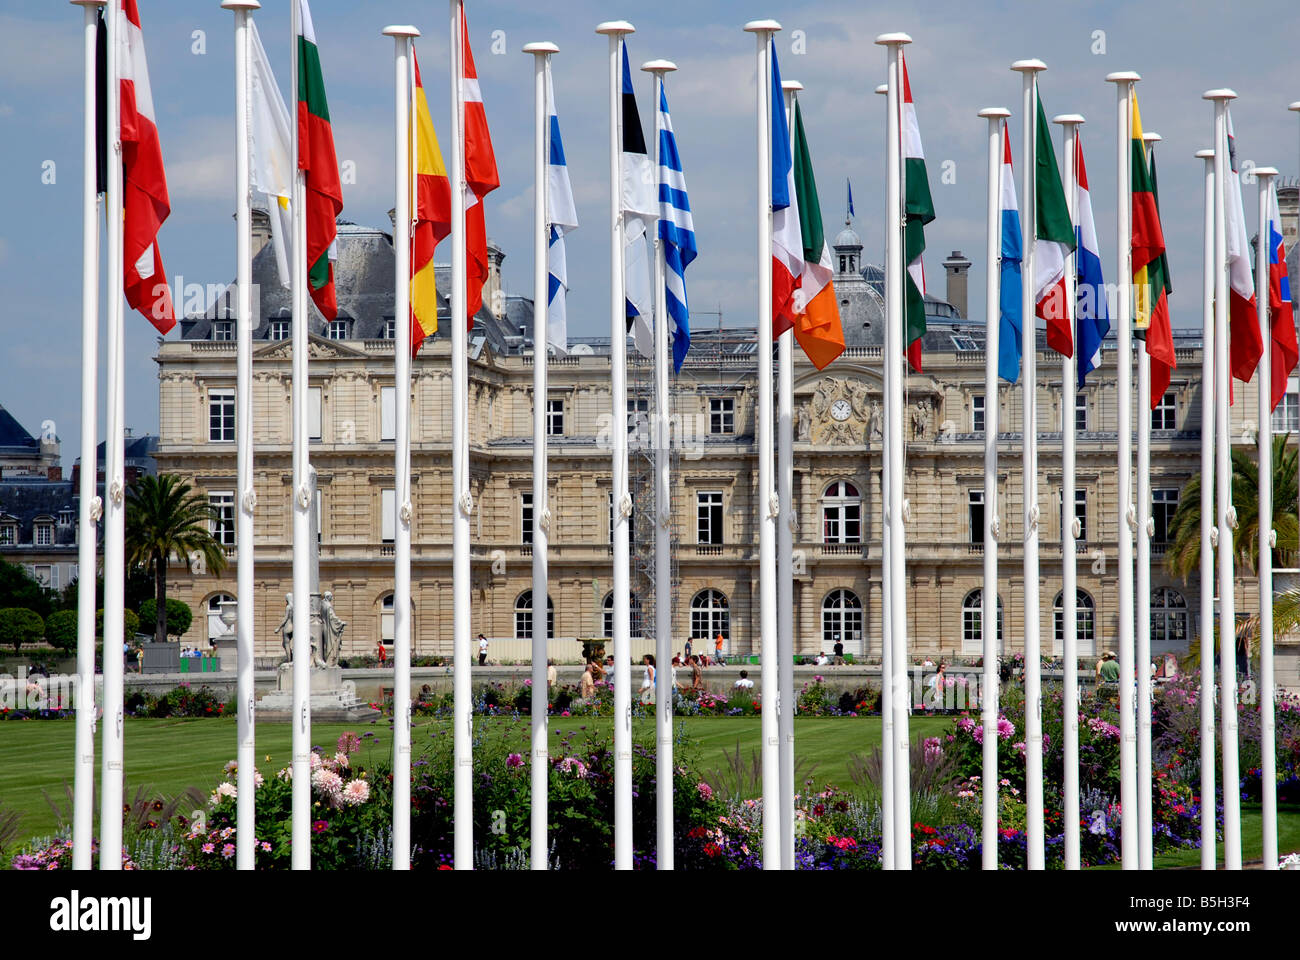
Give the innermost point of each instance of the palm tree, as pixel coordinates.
(164, 516)
(1183, 559)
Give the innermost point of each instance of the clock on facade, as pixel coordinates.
(841, 410)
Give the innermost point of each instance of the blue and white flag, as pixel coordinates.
(676, 231)
(562, 219)
(1091, 318)
(639, 211)
(1011, 325)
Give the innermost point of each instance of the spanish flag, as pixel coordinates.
(432, 215)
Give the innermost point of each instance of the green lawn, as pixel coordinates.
(166, 756)
(1252, 839)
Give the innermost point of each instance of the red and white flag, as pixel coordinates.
(1245, 343)
(144, 182)
(480, 176)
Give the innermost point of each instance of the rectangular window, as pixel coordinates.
(1286, 415)
(44, 534)
(525, 517)
(280, 330)
(387, 413)
(390, 328)
(8, 534)
(223, 521)
(555, 418)
(1163, 416)
(708, 516)
(320, 512)
(314, 413)
(388, 504)
(337, 330)
(223, 330)
(221, 416)
(638, 410)
(1080, 511)
(1164, 504)
(42, 574)
(977, 413)
(722, 415)
(1081, 413)
(975, 505)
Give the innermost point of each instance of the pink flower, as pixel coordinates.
(356, 793)
(348, 743)
(209, 847)
(514, 760)
(228, 851)
(705, 790)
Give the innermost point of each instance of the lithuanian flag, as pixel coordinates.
(1151, 286)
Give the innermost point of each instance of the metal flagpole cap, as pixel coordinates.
(1068, 118)
(395, 30)
(1294, 106)
(1151, 137)
(991, 112)
(541, 47)
(1205, 154)
(1123, 76)
(791, 85)
(226, 4)
(1028, 66)
(615, 27)
(90, 3)
(658, 66)
(882, 89)
(762, 26)
(886, 39)
(1266, 171)
(1219, 93)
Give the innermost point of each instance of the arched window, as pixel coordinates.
(710, 615)
(386, 630)
(634, 616)
(1168, 619)
(842, 620)
(216, 629)
(841, 513)
(1085, 617)
(972, 618)
(524, 617)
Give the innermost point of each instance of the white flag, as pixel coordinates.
(270, 149)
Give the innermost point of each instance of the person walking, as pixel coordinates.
(648, 681)
(717, 649)
(482, 650)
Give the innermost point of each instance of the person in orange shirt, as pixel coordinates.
(717, 647)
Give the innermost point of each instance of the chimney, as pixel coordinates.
(1288, 207)
(261, 230)
(494, 297)
(955, 268)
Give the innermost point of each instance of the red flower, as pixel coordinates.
(712, 850)
(445, 866)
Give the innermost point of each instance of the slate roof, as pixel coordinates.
(14, 438)
(26, 500)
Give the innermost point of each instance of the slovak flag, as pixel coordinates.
(1280, 311)
(1091, 318)
(1011, 322)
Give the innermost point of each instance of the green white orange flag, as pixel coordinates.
(320, 168)
(919, 210)
(817, 321)
(432, 216)
(1151, 286)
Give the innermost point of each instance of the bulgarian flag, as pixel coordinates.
(1055, 241)
(432, 216)
(480, 176)
(919, 209)
(320, 168)
(1151, 286)
(787, 240)
(817, 328)
(145, 204)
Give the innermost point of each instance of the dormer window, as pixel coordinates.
(338, 330)
(65, 518)
(8, 534)
(280, 330)
(223, 329)
(43, 532)
(390, 328)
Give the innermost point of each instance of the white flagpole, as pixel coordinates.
(1267, 535)
(996, 117)
(622, 501)
(663, 549)
(90, 506)
(766, 494)
(1226, 513)
(1070, 526)
(110, 811)
(245, 755)
(462, 501)
(1142, 655)
(1127, 517)
(402, 182)
(886, 606)
(1029, 70)
(541, 766)
(300, 857)
(785, 559)
(894, 350)
(1294, 107)
(1209, 532)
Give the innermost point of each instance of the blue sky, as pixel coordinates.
(959, 63)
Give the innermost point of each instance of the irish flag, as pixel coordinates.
(919, 212)
(145, 204)
(1055, 241)
(431, 213)
(320, 167)
(787, 240)
(480, 176)
(817, 328)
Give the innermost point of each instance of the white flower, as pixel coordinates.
(224, 790)
(341, 759)
(316, 761)
(327, 782)
(356, 792)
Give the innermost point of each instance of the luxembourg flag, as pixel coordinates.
(1091, 318)
(562, 217)
(1280, 310)
(1011, 327)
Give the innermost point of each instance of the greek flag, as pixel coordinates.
(563, 218)
(676, 231)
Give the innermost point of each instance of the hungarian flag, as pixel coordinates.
(919, 209)
(817, 328)
(1280, 315)
(1151, 285)
(320, 168)
(144, 182)
(1055, 236)
(1245, 343)
(431, 215)
(787, 242)
(480, 176)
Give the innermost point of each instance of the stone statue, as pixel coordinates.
(331, 633)
(858, 396)
(805, 424)
(874, 429)
(286, 627)
(921, 419)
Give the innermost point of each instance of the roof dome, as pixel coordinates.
(848, 238)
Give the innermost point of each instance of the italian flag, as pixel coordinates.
(1151, 287)
(817, 327)
(320, 167)
(1055, 241)
(431, 213)
(919, 210)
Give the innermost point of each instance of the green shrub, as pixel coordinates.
(18, 625)
(61, 629)
(179, 616)
(131, 624)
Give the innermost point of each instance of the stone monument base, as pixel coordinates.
(332, 699)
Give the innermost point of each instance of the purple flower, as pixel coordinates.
(514, 760)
